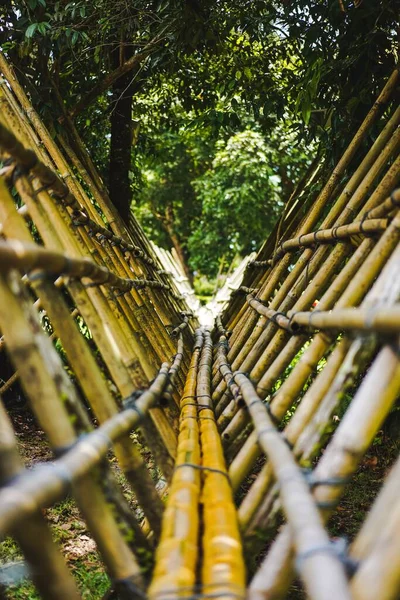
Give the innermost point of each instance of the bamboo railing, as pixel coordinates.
(241, 421)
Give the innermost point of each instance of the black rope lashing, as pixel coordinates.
(202, 468)
(338, 547)
(130, 403)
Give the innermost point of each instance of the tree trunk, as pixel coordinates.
(168, 223)
(121, 139)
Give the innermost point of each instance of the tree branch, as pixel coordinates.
(100, 87)
(107, 82)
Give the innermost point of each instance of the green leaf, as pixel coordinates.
(43, 26)
(30, 32)
(238, 75)
(306, 110)
(247, 72)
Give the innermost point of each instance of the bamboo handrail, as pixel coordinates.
(48, 483)
(323, 574)
(324, 236)
(17, 255)
(385, 320)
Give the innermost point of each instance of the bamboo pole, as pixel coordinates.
(373, 548)
(326, 389)
(99, 193)
(386, 290)
(321, 236)
(174, 573)
(223, 571)
(372, 319)
(322, 572)
(364, 417)
(111, 315)
(275, 276)
(49, 571)
(45, 383)
(87, 372)
(252, 355)
(292, 386)
(49, 483)
(270, 358)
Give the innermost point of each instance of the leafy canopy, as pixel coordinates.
(231, 99)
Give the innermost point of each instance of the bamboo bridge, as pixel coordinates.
(240, 420)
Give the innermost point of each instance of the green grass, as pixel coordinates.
(72, 537)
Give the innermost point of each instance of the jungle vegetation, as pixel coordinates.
(202, 115)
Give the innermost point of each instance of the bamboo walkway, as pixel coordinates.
(241, 420)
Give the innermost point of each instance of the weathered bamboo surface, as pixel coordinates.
(240, 418)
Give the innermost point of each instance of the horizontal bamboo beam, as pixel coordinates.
(366, 227)
(48, 483)
(18, 255)
(385, 320)
(379, 319)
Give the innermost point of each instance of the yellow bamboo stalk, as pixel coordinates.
(112, 312)
(97, 189)
(45, 383)
(372, 319)
(317, 404)
(359, 184)
(384, 504)
(174, 573)
(340, 232)
(356, 289)
(223, 571)
(87, 372)
(355, 433)
(280, 269)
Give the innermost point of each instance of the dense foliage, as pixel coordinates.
(204, 113)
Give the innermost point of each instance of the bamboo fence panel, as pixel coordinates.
(314, 317)
(112, 317)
